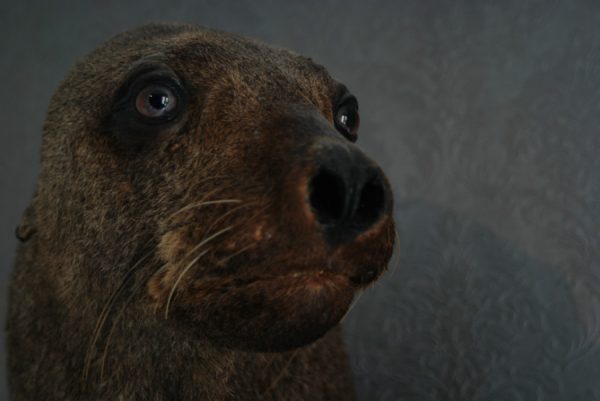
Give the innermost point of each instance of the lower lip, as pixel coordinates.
(317, 280)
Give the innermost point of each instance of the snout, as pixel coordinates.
(286, 274)
(348, 192)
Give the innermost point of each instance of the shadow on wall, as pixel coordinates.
(471, 317)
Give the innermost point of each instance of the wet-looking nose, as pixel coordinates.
(348, 193)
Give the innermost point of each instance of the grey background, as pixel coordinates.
(485, 115)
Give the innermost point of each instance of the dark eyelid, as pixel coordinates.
(343, 97)
(144, 74)
(349, 100)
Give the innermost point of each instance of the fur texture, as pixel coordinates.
(181, 261)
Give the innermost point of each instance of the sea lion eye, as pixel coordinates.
(149, 101)
(347, 120)
(155, 101)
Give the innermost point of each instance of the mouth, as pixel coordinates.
(265, 312)
(273, 313)
(306, 287)
(317, 277)
(270, 296)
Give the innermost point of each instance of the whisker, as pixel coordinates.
(244, 249)
(187, 223)
(257, 214)
(352, 305)
(134, 290)
(184, 271)
(220, 218)
(203, 203)
(203, 242)
(205, 196)
(212, 177)
(284, 370)
(102, 318)
(225, 259)
(106, 311)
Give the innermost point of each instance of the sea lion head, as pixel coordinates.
(223, 175)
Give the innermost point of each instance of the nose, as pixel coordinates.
(348, 192)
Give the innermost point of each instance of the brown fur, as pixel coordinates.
(208, 218)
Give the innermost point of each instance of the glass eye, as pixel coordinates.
(155, 101)
(347, 121)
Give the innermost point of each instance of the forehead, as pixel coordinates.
(197, 54)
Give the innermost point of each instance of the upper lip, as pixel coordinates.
(299, 274)
(271, 270)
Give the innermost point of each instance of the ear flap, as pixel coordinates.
(27, 226)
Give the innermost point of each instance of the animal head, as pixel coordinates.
(223, 175)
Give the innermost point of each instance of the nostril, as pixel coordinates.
(371, 204)
(327, 197)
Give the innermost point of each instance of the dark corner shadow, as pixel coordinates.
(467, 315)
